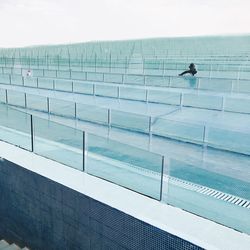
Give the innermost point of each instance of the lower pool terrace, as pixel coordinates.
(197, 179)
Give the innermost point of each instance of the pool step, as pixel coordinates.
(211, 192)
(4, 245)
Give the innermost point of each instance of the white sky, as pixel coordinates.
(32, 22)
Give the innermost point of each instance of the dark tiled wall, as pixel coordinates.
(42, 214)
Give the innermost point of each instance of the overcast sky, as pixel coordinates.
(32, 22)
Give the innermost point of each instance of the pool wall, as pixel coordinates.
(42, 214)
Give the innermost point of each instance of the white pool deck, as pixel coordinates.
(197, 230)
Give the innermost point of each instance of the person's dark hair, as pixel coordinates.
(191, 65)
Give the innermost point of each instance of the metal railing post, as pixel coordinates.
(32, 133)
(162, 170)
(84, 160)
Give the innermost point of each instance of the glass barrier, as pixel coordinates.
(223, 85)
(203, 101)
(37, 72)
(36, 102)
(16, 71)
(16, 98)
(58, 142)
(62, 108)
(160, 81)
(63, 85)
(199, 190)
(16, 80)
(5, 79)
(134, 79)
(124, 165)
(161, 96)
(83, 88)
(45, 83)
(50, 73)
(237, 105)
(135, 122)
(78, 75)
(92, 113)
(15, 127)
(113, 78)
(222, 138)
(95, 77)
(30, 81)
(242, 86)
(132, 93)
(2, 95)
(63, 74)
(223, 74)
(7, 71)
(106, 90)
(184, 82)
(178, 130)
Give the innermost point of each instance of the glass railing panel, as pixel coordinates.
(203, 73)
(16, 80)
(61, 107)
(172, 72)
(178, 130)
(244, 75)
(105, 90)
(216, 84)
(157, 81)
(58, 142)
(154, 72)
(4, 78)
(132, 93)
(95, 76)
(16, 98)
(131, 121)
(135, 69)
(127, 166)
(15, 127)
(30, 81)
(113, 78)
(49, 73)
(7, 71)
(184, 82)
(102, 69)
(134, 79)
(207, 192)
(118, 70)
(45, 83)
(203, 101)
(64, 67)
(37, 72)
(63, 74)
(2, 96)
(244, 86)
(78, 75)
(63, 85)
(237, 105)
(36, 102)
(83, 87)
(223, 74)
(222, 138)
(92, 113)
(160, 96)
(16, 71)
